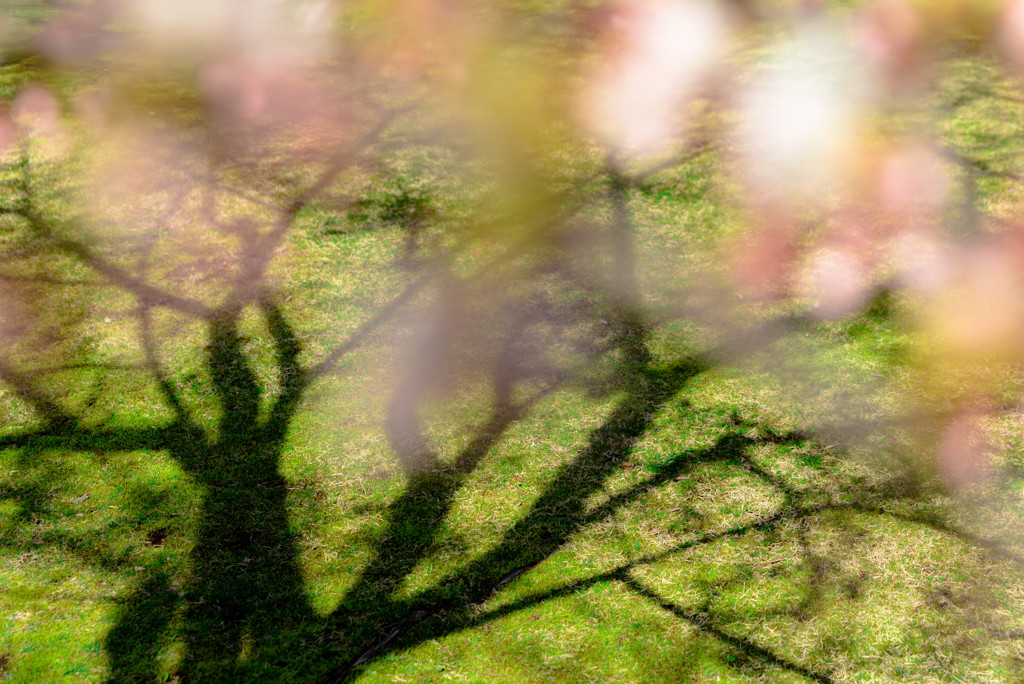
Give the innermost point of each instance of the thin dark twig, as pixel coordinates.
(328, 364)
(340, 674)
(703, 622)
(154, 366)
(263, 247)
(115, 275)
(687, 155)
(35, 397)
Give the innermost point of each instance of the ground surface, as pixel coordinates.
(648, 516)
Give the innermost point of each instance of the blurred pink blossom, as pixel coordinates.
(799, 118)
(963, 448)
(921, 261)
(75, 34)
(837, 281)
(981, 313)
(257, 101)
(236, 87)
(762, 263)
(665, 51)
(913, 183)
(1010, 32)
(36, 113)
(889, 34)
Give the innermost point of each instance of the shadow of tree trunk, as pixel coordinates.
(245, 590)
(137, 637)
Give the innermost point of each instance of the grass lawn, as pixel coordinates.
(677, 526)
(225, 506)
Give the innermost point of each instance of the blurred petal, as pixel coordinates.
(667, 49)
(763, 262)
(838, 283)
(37, 114)
(982, 313)
(963, 449)
(921, 262)
(889, 35)
(75, 34)
(1010, 32)
(234, 87)
(800, 117)
(913, 182)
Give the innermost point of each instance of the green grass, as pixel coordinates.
(676, 528)
(645, 516)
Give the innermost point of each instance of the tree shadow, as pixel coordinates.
(367, 630)
(140, 624)
(558, 514)
(245, 594)
(241, 611)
